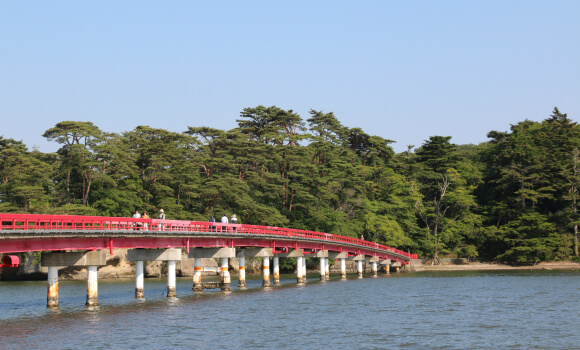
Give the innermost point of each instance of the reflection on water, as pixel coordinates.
(427, 310)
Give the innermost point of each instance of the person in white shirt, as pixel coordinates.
(224, 221)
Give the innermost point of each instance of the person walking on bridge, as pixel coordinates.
(161, 216)
(224, 221)
(136, 216)
(145, 225)
(234, 220)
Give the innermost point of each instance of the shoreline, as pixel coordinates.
(478, 266)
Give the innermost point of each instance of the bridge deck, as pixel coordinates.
(32, 232)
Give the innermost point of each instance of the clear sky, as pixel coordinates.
(402, 70)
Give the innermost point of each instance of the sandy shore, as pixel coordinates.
(563, 265)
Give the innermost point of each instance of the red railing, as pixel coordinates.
(92, 223)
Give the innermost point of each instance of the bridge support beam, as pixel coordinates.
(139, 280)
(242, 273)
(211, 253)
(301, 270)
(266, 272)
(225, 275)
(343, 268)
(387, 264)
(91, 259)
(171, 255)
(92, 286)
(197, 286)
(374, 268)
(327, 269)
(276, 267)
(359, 268)
(171, 282)
(322, 270)
(52, 297)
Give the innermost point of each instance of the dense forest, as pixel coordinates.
(511, 199)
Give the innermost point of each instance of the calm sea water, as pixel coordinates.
(424, 310)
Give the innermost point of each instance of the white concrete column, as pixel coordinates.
(139, 280)
(171, 285)
(322, 269)
(388, 269)
(92, 286)
(266, 270)
(300, 276)
(359, 268)
(303, 269)
(343, 268)
(397, 269)
(327, 269)
(374, 268)
(52, 297)
(276, 263)
(242, 273)
(225, 274)
(197, 286)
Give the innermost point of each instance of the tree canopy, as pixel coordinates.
(513, 198)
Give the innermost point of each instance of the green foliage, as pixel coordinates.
(513, 198)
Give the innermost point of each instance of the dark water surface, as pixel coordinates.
(424, 310)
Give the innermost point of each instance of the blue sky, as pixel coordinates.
(402, 70)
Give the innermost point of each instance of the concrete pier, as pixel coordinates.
(301, 270)
(295, 253)
(171, 283)
(276, 268)
(266, 272)
(92, 287)
(327, 269)
(342, 257)
(139, 280)
(374, 269)
(197, 286)
(171, 255)
(225, 275)
(242, 273)
(91, 259)
(359, 268)
(211, 253)
(322, 270)
(52, 297)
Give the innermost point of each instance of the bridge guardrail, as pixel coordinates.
(72, 222)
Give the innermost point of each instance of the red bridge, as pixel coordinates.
(30, 232)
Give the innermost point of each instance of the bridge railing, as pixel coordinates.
(82, 223)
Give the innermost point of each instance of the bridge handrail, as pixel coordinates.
(9, 221)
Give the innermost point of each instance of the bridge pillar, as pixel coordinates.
(322, 269)
(171, 283)
(359, 268)
(92, 286)
(266, 272)
(225, 275)
(90, 259)
(171, 255)
(327, 269)
(211, 253)
(276, 267)
(197, 286)
(242, 273)
(139, 280)
(301, 270)
(374, 268)
(343, 268)
(52, 297)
